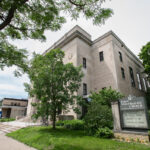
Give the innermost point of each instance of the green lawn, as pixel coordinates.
(44, 138)
(6, 119)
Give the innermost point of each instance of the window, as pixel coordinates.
(103, 88)
(139, 81)
(122, 72)
(84, 89)
(132, 76)
(145, 88)
(120, 56)
(101, 56)
(84, 62)
(148, 83)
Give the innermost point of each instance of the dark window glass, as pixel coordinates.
(122, 72)
(120, 56)
(103, 88)
(132, 76)
(101, 56)
(84, 62)
(84, 89)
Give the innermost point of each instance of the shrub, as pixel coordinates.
(71, 124)
(98, 116)
(60, 123)
(99, 113)
(104, 133)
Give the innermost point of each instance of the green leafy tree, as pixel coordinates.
(23, 19)
(145, 57)
(55, 84)
(106, 96)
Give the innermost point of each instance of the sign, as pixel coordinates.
(133, 113)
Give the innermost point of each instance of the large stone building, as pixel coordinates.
(107, 62)
(12, 108)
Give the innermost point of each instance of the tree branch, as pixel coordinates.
(10, 15)
(79, 5)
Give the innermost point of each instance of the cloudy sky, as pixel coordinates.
(131, 22)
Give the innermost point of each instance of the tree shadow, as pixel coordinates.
(62, 133)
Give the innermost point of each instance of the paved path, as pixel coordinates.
(7, 143)
(7, 127)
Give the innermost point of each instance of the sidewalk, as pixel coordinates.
(7, 143)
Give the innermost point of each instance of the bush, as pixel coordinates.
(98, 116)
(104, 133)
(71, 124)
(6, 119)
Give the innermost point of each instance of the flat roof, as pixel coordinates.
(15, 99)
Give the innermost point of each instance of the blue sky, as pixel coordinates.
(131, 22)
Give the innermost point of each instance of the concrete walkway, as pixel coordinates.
(7, 143)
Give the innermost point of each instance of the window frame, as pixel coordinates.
(120, 56)
(101, 56)
(84, 89)
(131, 76)
(84, 62)
(123, 73)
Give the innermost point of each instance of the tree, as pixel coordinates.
(145, 57)
(23, 19)
(106, 96)
(55, 84)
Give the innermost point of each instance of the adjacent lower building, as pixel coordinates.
(12, 108)
(107, 62)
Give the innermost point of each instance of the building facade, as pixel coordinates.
(106, 61)
(12, 108)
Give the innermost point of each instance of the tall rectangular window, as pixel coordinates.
(120, 56)
(139, 81)
(122, 72)
(101, 56)
(84, 89)
(84, 62)
(132, 76)
(145, 88)
(148, 83)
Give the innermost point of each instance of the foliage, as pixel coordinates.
(104, 133)
(23, 19)
(71, 124)
(145, 57)
(10, 55)
(44, 138)
(99, 113)
(98, 116)
(6, 119)
(106, 96)
(55, 84)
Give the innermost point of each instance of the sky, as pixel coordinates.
(131, 22)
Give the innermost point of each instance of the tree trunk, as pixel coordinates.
(54, 119)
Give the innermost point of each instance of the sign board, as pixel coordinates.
(133, 113)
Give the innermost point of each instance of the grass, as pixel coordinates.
(45, 138)
(6, 119)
